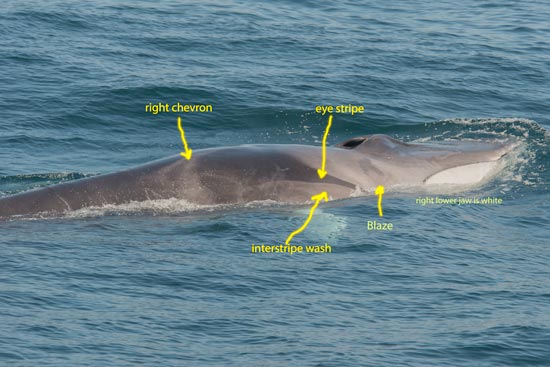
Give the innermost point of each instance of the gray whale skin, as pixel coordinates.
(279, 172)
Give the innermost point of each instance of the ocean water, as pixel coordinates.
(170, 284)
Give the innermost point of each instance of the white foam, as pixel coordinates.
(154, 207)
(171, 206)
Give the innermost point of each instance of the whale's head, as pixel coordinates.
(449, 162)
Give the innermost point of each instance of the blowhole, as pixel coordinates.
(352, 143)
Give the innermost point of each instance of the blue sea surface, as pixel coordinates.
(176, 285)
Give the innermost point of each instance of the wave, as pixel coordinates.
(10, 185)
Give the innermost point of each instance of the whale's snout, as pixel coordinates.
(446, 162)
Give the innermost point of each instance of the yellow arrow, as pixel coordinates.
(317, 198)
(188, 152)
(379, 191)
(321, 171)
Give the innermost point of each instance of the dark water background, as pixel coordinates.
(171, 285)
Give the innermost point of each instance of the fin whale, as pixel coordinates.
(279, 172)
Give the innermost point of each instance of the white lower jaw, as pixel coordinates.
(465, 175)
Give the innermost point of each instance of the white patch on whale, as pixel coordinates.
(464, 175)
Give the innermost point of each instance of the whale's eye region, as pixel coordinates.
(352, 143)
